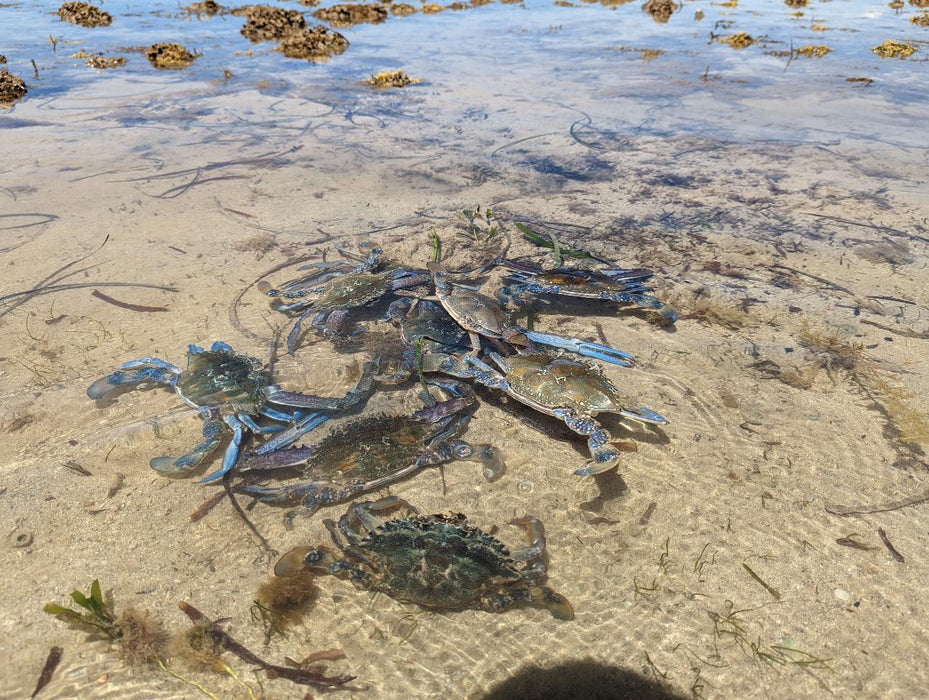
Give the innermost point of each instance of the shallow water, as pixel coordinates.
(783, 207)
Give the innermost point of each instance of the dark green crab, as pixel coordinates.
(439, 562)
(372, 452)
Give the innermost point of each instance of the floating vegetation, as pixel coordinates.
(739, 40)
(84, 14)
(169, 56)
(264, 23)
(660, 10)
(12, 88)
(401, 9)
(391, 79)
(350, 14)
(796, 3)
(894, 49)
(316, 44)
(812, 51)
(920, 20)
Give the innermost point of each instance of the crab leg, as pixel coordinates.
(212, 429)
(292, 434)
(582, 347)
(605, 456)
(232, 451)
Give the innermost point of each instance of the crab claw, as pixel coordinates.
(555, 603)
(293, 562)
(582, 347)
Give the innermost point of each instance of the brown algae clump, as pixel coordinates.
(813, 51)
(169, 56)
(391, 79)
(893, 49)
(207, 7)
(350, 14)
(100, 61)
(921, 20)
(265, 23)
(739, 40)
(313, 44)
(796, 3)
(12, 88)
(401, 9)
(84, 14)
(660, 10)
(281, 601)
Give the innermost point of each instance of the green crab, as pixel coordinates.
(567, 389)
(372, 452)
(439, 562)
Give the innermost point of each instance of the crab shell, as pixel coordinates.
(561, 382)
(354, 289)
(224, 380)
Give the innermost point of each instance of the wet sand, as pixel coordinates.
(784, 212)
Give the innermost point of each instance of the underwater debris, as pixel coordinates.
(169, 56)
(316, 44)
(51, 663)
(391, 79)
(84, 14)
(894, 49)
(12, 88)
(214, 639)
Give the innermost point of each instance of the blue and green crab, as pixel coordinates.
(371, 453)
(484, 316)
(230, 388)
(624, 286)
(572, 391)
(439, 562)
(334, 289)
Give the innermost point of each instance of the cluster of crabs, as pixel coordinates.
(451, 337)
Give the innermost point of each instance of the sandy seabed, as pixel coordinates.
(712, 561)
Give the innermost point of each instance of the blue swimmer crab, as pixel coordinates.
(572, 391)
(333, 290)
(482, 315)
(439, 562)
(373, 452)
(229, 387)
(613, 284)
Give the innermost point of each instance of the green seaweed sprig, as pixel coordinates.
(97, 616)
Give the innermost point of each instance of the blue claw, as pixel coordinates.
(293, 433)
(232, 451)
(212, 430)
(159, 375)
(644, 415)
(582, 347)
